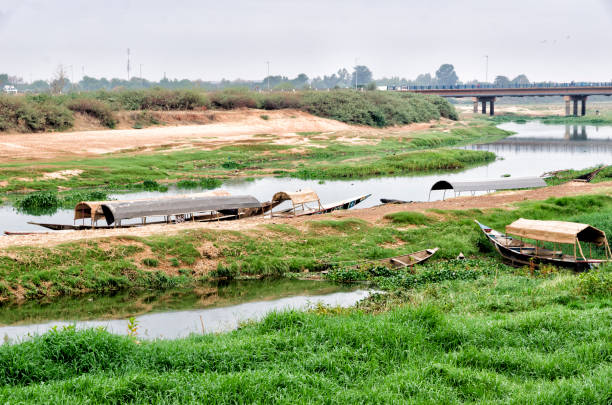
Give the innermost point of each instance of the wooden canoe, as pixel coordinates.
(409, 260)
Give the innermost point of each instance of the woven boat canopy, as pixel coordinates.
(556, 231)
(298, 197)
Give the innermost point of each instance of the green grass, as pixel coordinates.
(325, 159)
(408, 218)
(591, 119)
(470, 331)
(492, 338)
(272, 250)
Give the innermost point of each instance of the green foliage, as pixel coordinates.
(41, 202)
(150, 262)
(596, 282)
(264, 117)
(17, 114)
(94, 108)
(395, 165)
(47, 202)
(408, 218)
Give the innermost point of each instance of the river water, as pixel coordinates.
(176, 314)
(536, 148)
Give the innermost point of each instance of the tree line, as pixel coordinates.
(359, 77)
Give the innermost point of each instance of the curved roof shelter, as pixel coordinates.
(556, 231)
(188, 204)
(488, 185)
(93, 209)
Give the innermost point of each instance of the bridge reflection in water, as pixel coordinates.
(574, 140)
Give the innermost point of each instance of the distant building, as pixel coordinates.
(9, 89)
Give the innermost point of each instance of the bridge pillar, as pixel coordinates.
(484, 100)
(575, 100)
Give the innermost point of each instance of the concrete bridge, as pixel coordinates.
(571, 93)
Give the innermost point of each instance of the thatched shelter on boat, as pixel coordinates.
(487, 185)
(307, 202)
(557, 231)
(545, 243)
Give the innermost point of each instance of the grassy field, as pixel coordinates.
(488, 337)
(163, 262)
(44, 112)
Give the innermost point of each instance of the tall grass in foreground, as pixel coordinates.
(504, 338)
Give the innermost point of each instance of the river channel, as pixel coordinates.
(534, 149)
(175, 313)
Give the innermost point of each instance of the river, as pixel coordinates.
(536, 148)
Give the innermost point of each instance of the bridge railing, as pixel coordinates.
(510, 86)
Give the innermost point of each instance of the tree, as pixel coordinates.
(446, 76)
(501, 81)
(4, 79)
(423, 80)
(361, 76)
(59, 81)
(520, 80)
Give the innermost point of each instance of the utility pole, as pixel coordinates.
(128, 64)
(487, 69)
(268, 63)
(356, 73)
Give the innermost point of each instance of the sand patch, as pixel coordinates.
(62, 174)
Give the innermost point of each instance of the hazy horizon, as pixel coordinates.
(546, 40)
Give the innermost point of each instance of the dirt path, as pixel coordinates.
(372, 215)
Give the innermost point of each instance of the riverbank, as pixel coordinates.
(169, 256)
(358, 153)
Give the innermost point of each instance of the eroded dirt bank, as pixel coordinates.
(372, 215)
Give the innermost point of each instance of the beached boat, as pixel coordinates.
(518, 253)
(307, 202)
(588, 177)
(409, 260)
(200, 207)
(393, 201)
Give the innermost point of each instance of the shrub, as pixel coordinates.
(596, 283)
(94, 108)
(39, 203)
(233, 98)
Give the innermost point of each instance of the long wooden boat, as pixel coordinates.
(393, 201)
(409, 260)
(300, 204)
(218, 215)
(518, 253)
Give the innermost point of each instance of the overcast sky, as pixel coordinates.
(560, 40)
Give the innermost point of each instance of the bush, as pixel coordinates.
(33, 115)
(596, 283)
(94, 108)
(233, 98)
(39, 203)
